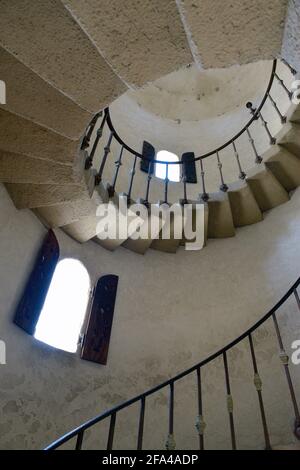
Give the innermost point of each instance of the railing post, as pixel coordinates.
(79, 440)
(200, 423)
(170, 443)
(264, 123)
(89, 160)
(149, 179)
(288, 92)
(258, 385)
(166, 184)
(86, 139)
(111, 431)
(292, 70)
(229, 402)
(297, 298)
(141, 424)
(258, 158)
(204, 196)
(242, 174)
(223, 186)
(111, 189)
(282, 118)
(285, 362)
(132, 173)
(98, 177)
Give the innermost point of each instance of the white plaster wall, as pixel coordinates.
(171, 311)
(221, 115)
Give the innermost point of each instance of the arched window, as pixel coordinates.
(160, 168)
(65, 306)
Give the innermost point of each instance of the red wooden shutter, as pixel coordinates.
(35, 291)
(96, 341)
(148, 152)
(189, 167)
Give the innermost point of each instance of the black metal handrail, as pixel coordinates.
(79, 431)
(205, 155)
(149, 160)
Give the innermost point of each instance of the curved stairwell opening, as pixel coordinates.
(80, 78)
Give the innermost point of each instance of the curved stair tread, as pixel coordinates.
(27, 195)
(289, 138)
(266, 188)
(20, 168)
(220, 220)
(158, 50)
(284, 165)
(244, 207)
(168, 239)
(19, 135)
(31, 196)
(151, 227)
(55, 48)
(36, 100)
(69, 212)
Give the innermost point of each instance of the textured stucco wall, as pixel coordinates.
(171, 311)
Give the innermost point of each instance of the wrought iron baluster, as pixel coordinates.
(170, 444)
(229, 402)
(223, 186)
(285, 361)
(111, 431)
(242, 174)
(292, 70)
(288, 92)
(118, 163)
(88, 135)
(185, 199)
(282, 118)
(141, 424)
(166, 184)
(297, 298)
(79, 440)
(89, 160)
(98, 177)
(258, 158)
(264, 123)
(258, 385)
(149, 179)
(200, 423)
(132, 173)
(204, 196)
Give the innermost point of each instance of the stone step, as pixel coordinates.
(151, 226)
(158, 49)
(293, 113)
(204, 206)
(19, 135)
(289, 138)
(244, 207)
(88, 227)
(27, 195)
(223, 37)
(284, 165)
(220, 220)
(51, 43)
(72, 211)
(266, 188)
(18, 168)
(31, 97)
(170, 244)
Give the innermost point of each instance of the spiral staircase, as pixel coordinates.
(54, 92)
(64, 61)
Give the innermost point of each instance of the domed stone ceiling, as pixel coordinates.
(190, 94)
